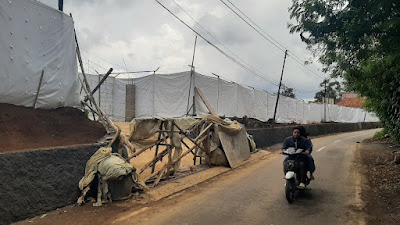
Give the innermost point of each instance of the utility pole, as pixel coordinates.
(325, 101)
(280, 83)
(191, 75)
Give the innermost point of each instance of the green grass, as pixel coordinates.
(380, 134)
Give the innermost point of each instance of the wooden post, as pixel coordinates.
(38, 90)
(102, 80)
(176, 160)
(157, 145)
(171, 136)
(197, 149)
(209, 107)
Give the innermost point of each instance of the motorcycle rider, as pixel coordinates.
(310, 165)
(298, 142)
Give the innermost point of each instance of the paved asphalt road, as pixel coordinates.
(254, 194)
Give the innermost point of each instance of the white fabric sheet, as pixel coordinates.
(209, 86)
(227, 105)
(245, 102)
(167, 96)
(261, 105)
(171, 94)
(35, 37)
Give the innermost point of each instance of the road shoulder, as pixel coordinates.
(377, 182)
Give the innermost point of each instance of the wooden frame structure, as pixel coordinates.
(166, 132)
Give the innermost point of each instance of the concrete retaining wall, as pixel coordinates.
(35, 182)
(269, 136)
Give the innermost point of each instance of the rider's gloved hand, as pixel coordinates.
(307, 152)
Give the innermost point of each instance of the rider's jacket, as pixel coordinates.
(301, 142)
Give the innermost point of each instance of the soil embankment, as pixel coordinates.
(25, 128)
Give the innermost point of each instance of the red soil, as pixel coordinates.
(23, 128)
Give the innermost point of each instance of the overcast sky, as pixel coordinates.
(133, 35)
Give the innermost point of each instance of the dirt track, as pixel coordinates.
(25, 128)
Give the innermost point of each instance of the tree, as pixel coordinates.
(333, 90)
(358, 41)
(288, 92)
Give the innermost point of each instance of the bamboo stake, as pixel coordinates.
(187, 146)
(175, 161)
(160, 175)
(154, 174)
(187, 151)
(144, 149)
(194, 141)
(169, 148)
(197, 149)
(155, 159)
(38, 89)
(94, 112)
(156, 152)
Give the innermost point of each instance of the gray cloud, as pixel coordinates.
(146, 36)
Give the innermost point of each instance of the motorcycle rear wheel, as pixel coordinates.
(290, 188)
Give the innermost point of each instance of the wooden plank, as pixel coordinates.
(209, 107)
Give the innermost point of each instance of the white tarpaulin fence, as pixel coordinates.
(35, 37)
(169, 96)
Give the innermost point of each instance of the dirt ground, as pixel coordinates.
(23, 128)
(380, 193)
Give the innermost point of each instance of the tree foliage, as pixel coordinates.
(333, 90)
(288, 92)
(359, 41)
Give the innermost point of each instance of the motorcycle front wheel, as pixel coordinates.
(290, 188)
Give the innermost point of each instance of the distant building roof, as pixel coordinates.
(352, 102)
(349, 95)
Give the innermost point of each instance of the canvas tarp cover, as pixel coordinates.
(232, 135)
(35, 37)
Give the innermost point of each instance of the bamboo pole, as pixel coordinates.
(155, 159)
(38, 90)
(194, 141)
(159, 136)
(175, 161)
(169, 148)
(160, 175)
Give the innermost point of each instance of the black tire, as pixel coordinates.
(289, 190)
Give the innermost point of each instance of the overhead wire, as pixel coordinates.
(215, 37)
(274, 42)
(216, 47)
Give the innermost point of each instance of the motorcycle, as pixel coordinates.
(293, 169)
